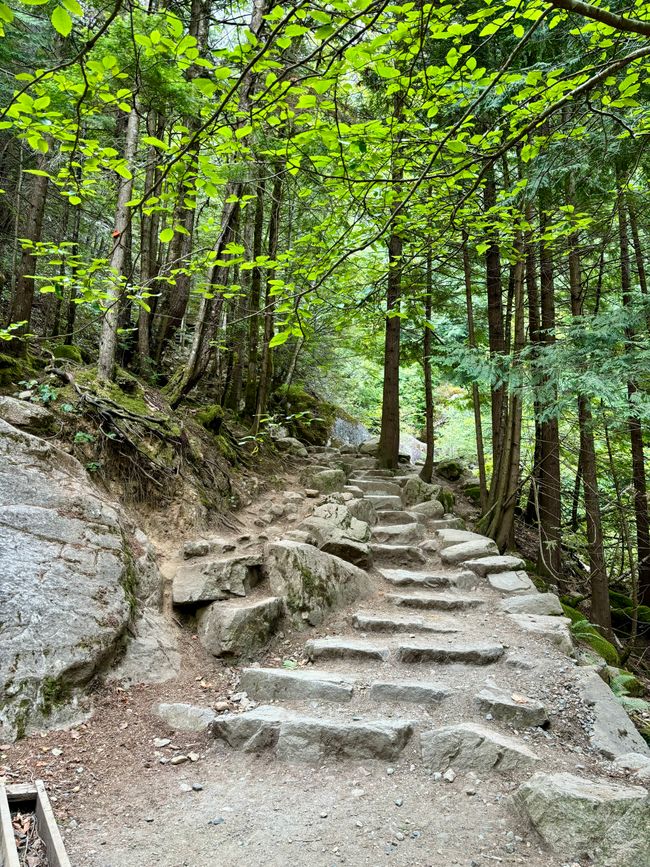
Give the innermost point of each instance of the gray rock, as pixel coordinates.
(511, 582)
(310, 579)
(546, 604)
(152, 655)
(450, 469)
(469, 654)
(26, 416)
(357, 553)
(369, 447)
(203, 547)
(356, 492)
(398, 534)
(434, 602)
(512, 707)
(297, 738)
(342, 648)
(209, 580)
(386, 623)
(421, 692)
(397, 555)
(363, 510)
(415, 491)
(333, 528)
(270, 684)
(574, 816)
(185, 717)
(448, 538)
(632, 762)
(468, 551)
(463, 580)
(292, 445)
(384, 501)
(69, 583)
(430, 509)
(325, 481)
(470, 747)
(376, 486)
(553, 629)
(613, 733)
(239, 629)
(484, 566)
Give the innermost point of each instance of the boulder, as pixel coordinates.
(468, 551)
(577, 817)
(69, 584)
(292, 445)
(415, 491)
(325, 481)
(554, 629)
(511, 582)
(152, 655)
(369, 447)
(239, 629)
(450, 469)
(27, 416)
(363, 510)
(470, 747)
(333, 529)
(185, 717)
(203, 547)
(312, 581)
(484, 566)
(210, 580)
(613, 733)
(431, 509)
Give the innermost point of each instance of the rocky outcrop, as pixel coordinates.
(206, 580)
(29, 417)
(73, 574)
(578, 817)
(332, 528)
(310, 580)
(239, 629)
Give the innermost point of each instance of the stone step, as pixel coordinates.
(397, 555)
(388, 623)
(462, 580)
(431, 602)
(399, 516)
(299, 738)
(546, 604)
(468, 551)
(447, 522)
(420, 692)
(554, 629)
(376, 486)
(469, 654)
(344, 648)
(376, 474)
(448, 538)
(271, 684)
(511, 582)
(469, 747)
(484, 566)
(385, 501)
(239, 629)
(398, 534)
(512, 707)
(207, 580)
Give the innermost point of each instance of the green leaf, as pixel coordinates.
(73, 7)
(279, 339)
(166, 235)
(6, 14)
(61, 21)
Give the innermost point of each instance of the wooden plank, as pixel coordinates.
(49, 830)
(8, 851)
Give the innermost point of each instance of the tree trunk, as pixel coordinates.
(476, 396)
(495, 316)
(427, 469)
(639, 481)
(266, 367)
(550, 504)
(117, 259)
(23, 296)
(148, 244)
(600, 605)
(254, 304)
(534, 337)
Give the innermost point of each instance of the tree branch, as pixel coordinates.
(604, 16)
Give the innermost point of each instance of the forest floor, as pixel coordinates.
(118, 805)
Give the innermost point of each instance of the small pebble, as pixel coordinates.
(197, 787)
(449, 775)
(218, 820)
(399, 802)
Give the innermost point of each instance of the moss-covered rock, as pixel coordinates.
(450, 469)
(305, 416)
(583, 630)
(67, 352)
(473, 492)
(211, 417)
(447, 498)
(12, 370)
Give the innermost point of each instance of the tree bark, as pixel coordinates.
(23, 295)
(118, 256)
(427, 470)
(476, 395)
(495, 316)
(254, 304)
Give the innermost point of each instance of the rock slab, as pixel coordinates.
(229, 629)
(470, 747)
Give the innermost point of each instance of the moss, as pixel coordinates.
(305, 416)
(54, 692)
(226, 448)
(67, 352)
(13, 370)
(447, 498)
(584, 631)
(474, 493)
(211, 417)
(21, 718)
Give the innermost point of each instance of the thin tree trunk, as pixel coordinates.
(23, 295)
(72, 306)
(427, 470)
(550, 505)
(254, 304)
(117, 260)
(266, 367)
(495, 316)
(148, 245)
(476, 396)
(534, 337)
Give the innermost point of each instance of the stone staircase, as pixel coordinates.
(452, 660)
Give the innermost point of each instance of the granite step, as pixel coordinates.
(398, 534)
(388, 623)
(469, 654)
(465, 551)
(460, 579)
(271, 684)
(400, 556)
(399, 516)
(344, 648)
(376, 486)
(385, 501)
(431, 602)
